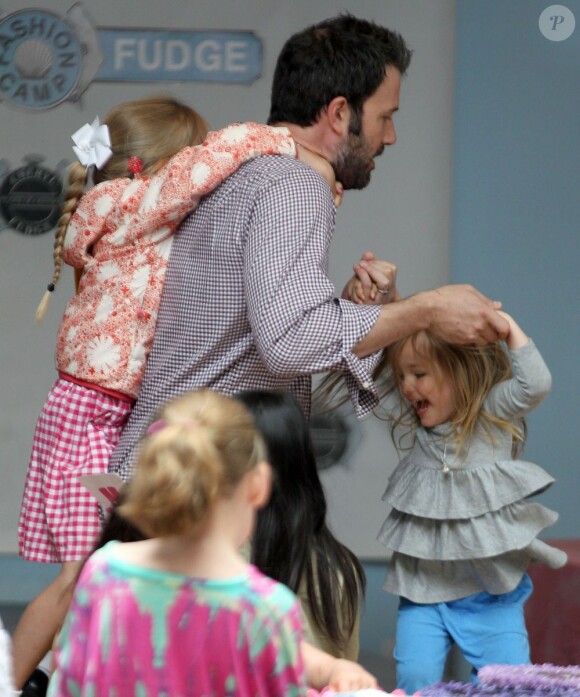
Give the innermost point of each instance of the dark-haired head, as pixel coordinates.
(343, 56)
(298, 498)
(292, 542)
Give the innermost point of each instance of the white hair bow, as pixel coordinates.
(92, 144)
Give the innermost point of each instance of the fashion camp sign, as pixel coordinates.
(46, 59)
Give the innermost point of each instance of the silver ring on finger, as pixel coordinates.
(386, 291)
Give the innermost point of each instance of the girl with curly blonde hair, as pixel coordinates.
(461, 531)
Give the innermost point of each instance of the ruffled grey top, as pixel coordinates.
(462, 524)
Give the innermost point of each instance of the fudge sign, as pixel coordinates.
(46, 59)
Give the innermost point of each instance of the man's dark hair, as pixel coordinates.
(340, 57)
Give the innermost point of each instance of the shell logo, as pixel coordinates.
(43, 61)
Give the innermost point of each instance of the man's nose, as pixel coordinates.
(390, 135)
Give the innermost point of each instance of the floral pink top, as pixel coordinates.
(121, 235)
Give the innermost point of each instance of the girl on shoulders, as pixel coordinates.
(150, 162)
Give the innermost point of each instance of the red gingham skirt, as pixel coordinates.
(76, 433)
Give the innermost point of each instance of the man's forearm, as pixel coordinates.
(458, 314)
(397, 320)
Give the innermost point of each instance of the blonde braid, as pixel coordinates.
(77, 180)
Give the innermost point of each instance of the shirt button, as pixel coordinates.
(367, 385)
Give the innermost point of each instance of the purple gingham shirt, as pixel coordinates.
(247, 302)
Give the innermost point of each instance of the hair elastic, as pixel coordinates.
(156, 426)
(160, 424)
(135, 164)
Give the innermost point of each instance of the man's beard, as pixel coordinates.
(352, 165)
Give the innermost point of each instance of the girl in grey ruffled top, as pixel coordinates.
(462, 531)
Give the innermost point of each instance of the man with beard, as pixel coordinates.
(247, 302)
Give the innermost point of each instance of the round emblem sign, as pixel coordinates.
(30, 199)
(41, 59)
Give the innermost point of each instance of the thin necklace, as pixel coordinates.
(444, 464)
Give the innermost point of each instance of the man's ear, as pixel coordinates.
(338, 116)
(260, 485)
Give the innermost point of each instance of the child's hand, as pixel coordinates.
(374, 282)
(346, 676)
(516, 337)
(324, 168)
(338, 674)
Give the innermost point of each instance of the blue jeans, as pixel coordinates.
(486, 628)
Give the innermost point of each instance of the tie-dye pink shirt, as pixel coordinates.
(121, 235)
(133, 631)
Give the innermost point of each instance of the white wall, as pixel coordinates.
(402, 216)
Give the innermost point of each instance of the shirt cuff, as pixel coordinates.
(357, 321)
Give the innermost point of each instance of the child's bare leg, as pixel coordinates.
(40, 622)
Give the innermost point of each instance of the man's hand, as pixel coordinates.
(374, 282)
(460, 314)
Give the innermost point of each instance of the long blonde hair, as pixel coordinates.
(472, 371)
(152, 129)
(201, 447)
